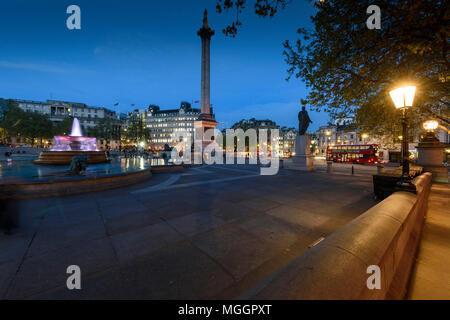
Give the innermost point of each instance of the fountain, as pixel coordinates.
(66, 147)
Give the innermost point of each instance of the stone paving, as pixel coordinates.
(431, 275)
(210, 232)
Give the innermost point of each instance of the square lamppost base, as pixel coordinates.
(406, 185)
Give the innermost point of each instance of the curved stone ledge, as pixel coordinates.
(72, 186)
(386, 235)
(65, 157)
(167, 169)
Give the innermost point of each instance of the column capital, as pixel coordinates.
(206, 33)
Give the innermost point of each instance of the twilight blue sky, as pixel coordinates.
(147, 52)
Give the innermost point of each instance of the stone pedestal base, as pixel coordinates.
(205, 122)
(301, 163)
(431, 156)
(303, 159)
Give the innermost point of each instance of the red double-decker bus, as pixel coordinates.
(365, 153)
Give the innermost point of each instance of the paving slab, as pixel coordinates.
(273, 230)
(115, 210)
(13, 247)
(259, 204)
(138, 243)
(195, 223)
(230, 211)
(192, 275)
(7, 273)
(130, 221)
(430, 277)
(237, 251)
(211, 238)
(63, 236)
(300, 217)
(76, 214)
(43, 272)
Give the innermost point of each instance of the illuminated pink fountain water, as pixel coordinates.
(75, 141)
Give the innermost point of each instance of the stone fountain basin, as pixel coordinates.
(65, 157)
(23, 179)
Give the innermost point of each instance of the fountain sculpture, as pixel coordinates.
(66, 147)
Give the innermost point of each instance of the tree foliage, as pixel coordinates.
(350, 69)
(29, 125)
(136, 131)
(107, 129)
(262, 8)
(64, 127)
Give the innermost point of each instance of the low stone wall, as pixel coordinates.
(384, 184)
(74, 186)
(386, 235)
(167, 169)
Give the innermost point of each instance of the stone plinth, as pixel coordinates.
(200, 142)
(431, 155)
(303, 159)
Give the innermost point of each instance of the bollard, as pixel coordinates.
(329, 166)
(353, 170)
(380, 168)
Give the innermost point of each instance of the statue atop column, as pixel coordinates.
(205, 19)
(303, 121)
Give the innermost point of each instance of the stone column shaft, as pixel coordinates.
(205, 91)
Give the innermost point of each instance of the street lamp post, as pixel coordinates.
(327, 133)
(403, 97)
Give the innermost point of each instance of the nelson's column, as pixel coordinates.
(206, 119)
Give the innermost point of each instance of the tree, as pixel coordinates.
(3, 107)
(107, 129)
(263, 8)
(11, 120)
(63, 128)
(136, 130)
(16, 122)
(36, 126)
(350, 69)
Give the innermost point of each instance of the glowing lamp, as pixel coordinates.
(403, 97)
(430, 125)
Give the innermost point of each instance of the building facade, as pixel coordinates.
(164, 123)
(287, 142)
(88, 116)
(286, 136)
(348, 134)
(58, 110)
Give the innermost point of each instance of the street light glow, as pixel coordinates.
(403, 97)
(430, 125)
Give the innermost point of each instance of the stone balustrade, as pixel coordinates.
(386, 236)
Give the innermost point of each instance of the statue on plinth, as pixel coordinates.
(303, 121)
(303, 160)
